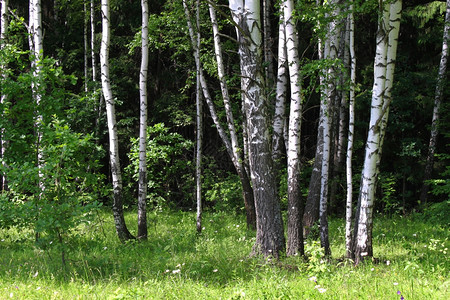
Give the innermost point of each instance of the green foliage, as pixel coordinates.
(223, 192)
(169, 167)
(51, 170)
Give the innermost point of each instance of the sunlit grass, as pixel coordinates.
(177, 263)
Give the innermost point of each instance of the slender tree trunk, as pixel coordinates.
(270, 239)
(119, 220)
(199, 111)
(437, 104)
(295, 206)
(93, 57)
(143, 76)
(387, 36)
(3, 142)
(85, 42)
(330, 53)
(230, 141)
(340, 115)
(36, 47)
(279, 118)
(351, 130)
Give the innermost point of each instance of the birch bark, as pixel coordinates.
(36, 48)
(328, 95)
(3, 142)
(119, 220)
(231, 143)
(295, 207)
(270, 239)
(384, 64)
(279, 118)
(143, 75)
(351, 130)
(85, 44)
(199, 117)
(437, 104)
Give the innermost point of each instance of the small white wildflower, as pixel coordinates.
(414, 234)
(183, 264)
(388, 262)
(317, 286)
(176, 271)
(395, 283)
(215, 270)
(11, 295)
(237, 226)
(203, 228)
(38, 288)
(241, 260)
(51, 242)
(104, 248)
(322, 290)
(3, 240)
(36, 274)
(167, 271)
(373, 269)
(312, 278)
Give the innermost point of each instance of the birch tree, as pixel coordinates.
(270, 239)
(295, 207)
(85, 44)
(119, 220)
(36, 48)
(384, 64)
(230, 141)
(436, 110)
(143, 77)
(329, 91)
(3, 142)
(279, 118)
(351, 130)
(93, 56)
(199, 138)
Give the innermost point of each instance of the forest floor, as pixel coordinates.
(177, 263)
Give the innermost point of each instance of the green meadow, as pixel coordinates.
(411, 261)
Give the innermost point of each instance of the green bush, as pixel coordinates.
(169, 168)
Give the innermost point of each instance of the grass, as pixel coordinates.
(176, 263)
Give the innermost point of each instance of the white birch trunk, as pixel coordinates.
(85, 41)
(231, 144)
(437, 104)
(383, 76)
(279, 118)
(295, 208)
(351, 130)
(119, 219)
(36, 48)
(269, 225)
(143, 75)
(3, 142)
(329, 86)
(93, 57)
(199, 138)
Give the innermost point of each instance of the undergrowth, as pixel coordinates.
(177, 263)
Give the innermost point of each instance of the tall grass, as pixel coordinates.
(177, 263)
